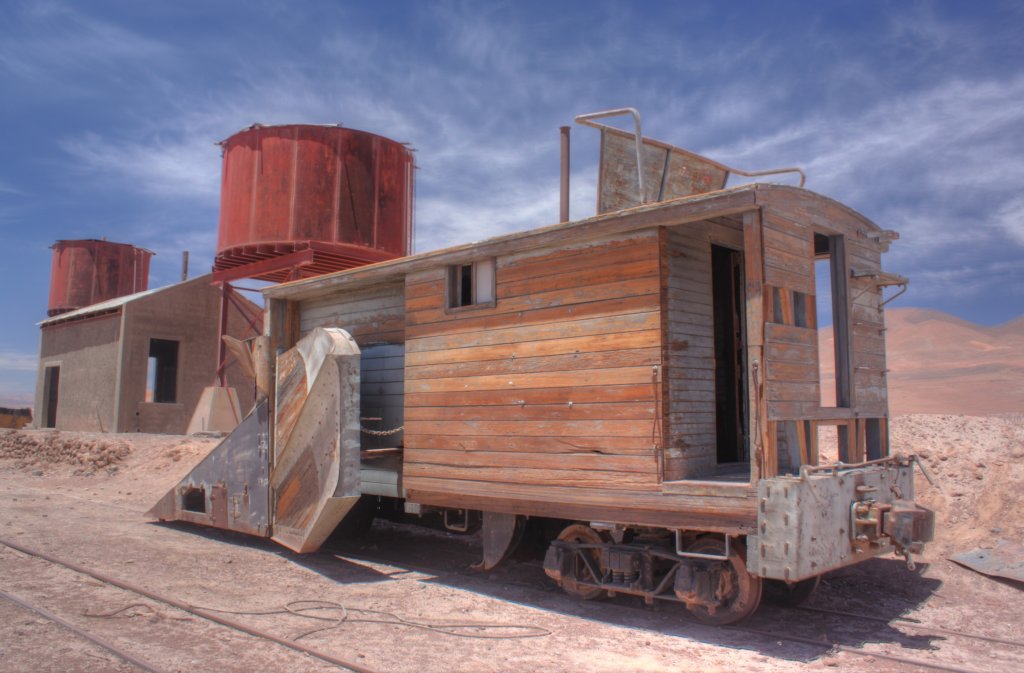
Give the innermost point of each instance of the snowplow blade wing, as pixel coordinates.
(314, 474)
(228, 488)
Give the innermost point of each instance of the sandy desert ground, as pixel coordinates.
(82, 497)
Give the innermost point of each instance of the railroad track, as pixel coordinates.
(1009, 650)
(169, 601)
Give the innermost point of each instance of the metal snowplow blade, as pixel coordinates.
(228, 489)
(314, 476)
(297, 492)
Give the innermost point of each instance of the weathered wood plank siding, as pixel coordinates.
(556, 384)
(867, 327)
(791, 341)
(691, 450)
(371, 315)
(791, 220)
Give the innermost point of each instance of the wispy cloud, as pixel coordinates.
(896, 120)
(963, 281)
(466, 163)
(56, 44)
(1010, 218)
(18, 362)
(953, 145)
(9, 188)
(174, 168)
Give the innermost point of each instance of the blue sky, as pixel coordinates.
(910, 112)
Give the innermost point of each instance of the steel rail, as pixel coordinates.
(910, 623)
(923, 663)
(360, 669)
(198, 612)
(92, 638)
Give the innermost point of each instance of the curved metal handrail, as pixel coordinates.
(588, 120)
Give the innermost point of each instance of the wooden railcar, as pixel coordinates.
(649, 376)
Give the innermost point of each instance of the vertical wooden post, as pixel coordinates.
(763, 462)
(861, 441)
(667, 470)
(282, 324)
(263, 359)
(563, 209)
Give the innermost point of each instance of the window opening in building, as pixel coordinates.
(162, 372)
(51, 386)
(471, 284)
(831, 307)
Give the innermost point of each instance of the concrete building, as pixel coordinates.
(137, 363)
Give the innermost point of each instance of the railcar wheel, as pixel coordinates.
(790, 594)
(738, 591)
(583, 534)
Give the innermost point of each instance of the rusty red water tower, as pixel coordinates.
(87, 272)
(300, 200)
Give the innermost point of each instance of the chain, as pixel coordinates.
(381, 433)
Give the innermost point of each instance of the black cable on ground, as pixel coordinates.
(303, 608)
(223, 621)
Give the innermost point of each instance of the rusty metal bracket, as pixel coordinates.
(707, 557)
(926, 475)
(896, 459)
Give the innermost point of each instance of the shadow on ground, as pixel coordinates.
(882, 589)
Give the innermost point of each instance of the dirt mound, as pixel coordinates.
(977, 464)
(45, 449)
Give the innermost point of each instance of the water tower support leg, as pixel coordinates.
(222, 380)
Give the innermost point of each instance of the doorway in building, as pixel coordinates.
(51, 386)
(730, 345)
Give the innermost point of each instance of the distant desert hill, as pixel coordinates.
(941, 364)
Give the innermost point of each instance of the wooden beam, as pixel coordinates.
(763, 459)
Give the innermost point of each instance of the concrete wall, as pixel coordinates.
(91, 357)
(187, 313)
(86, 352)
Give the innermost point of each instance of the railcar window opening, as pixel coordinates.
(791, 445)
(876, 440)
(832, 306)
(471, 284)
(791, 307)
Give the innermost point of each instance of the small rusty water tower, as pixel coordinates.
(87, 272)
(300, 200)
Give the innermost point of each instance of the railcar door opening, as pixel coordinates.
(730, 346)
